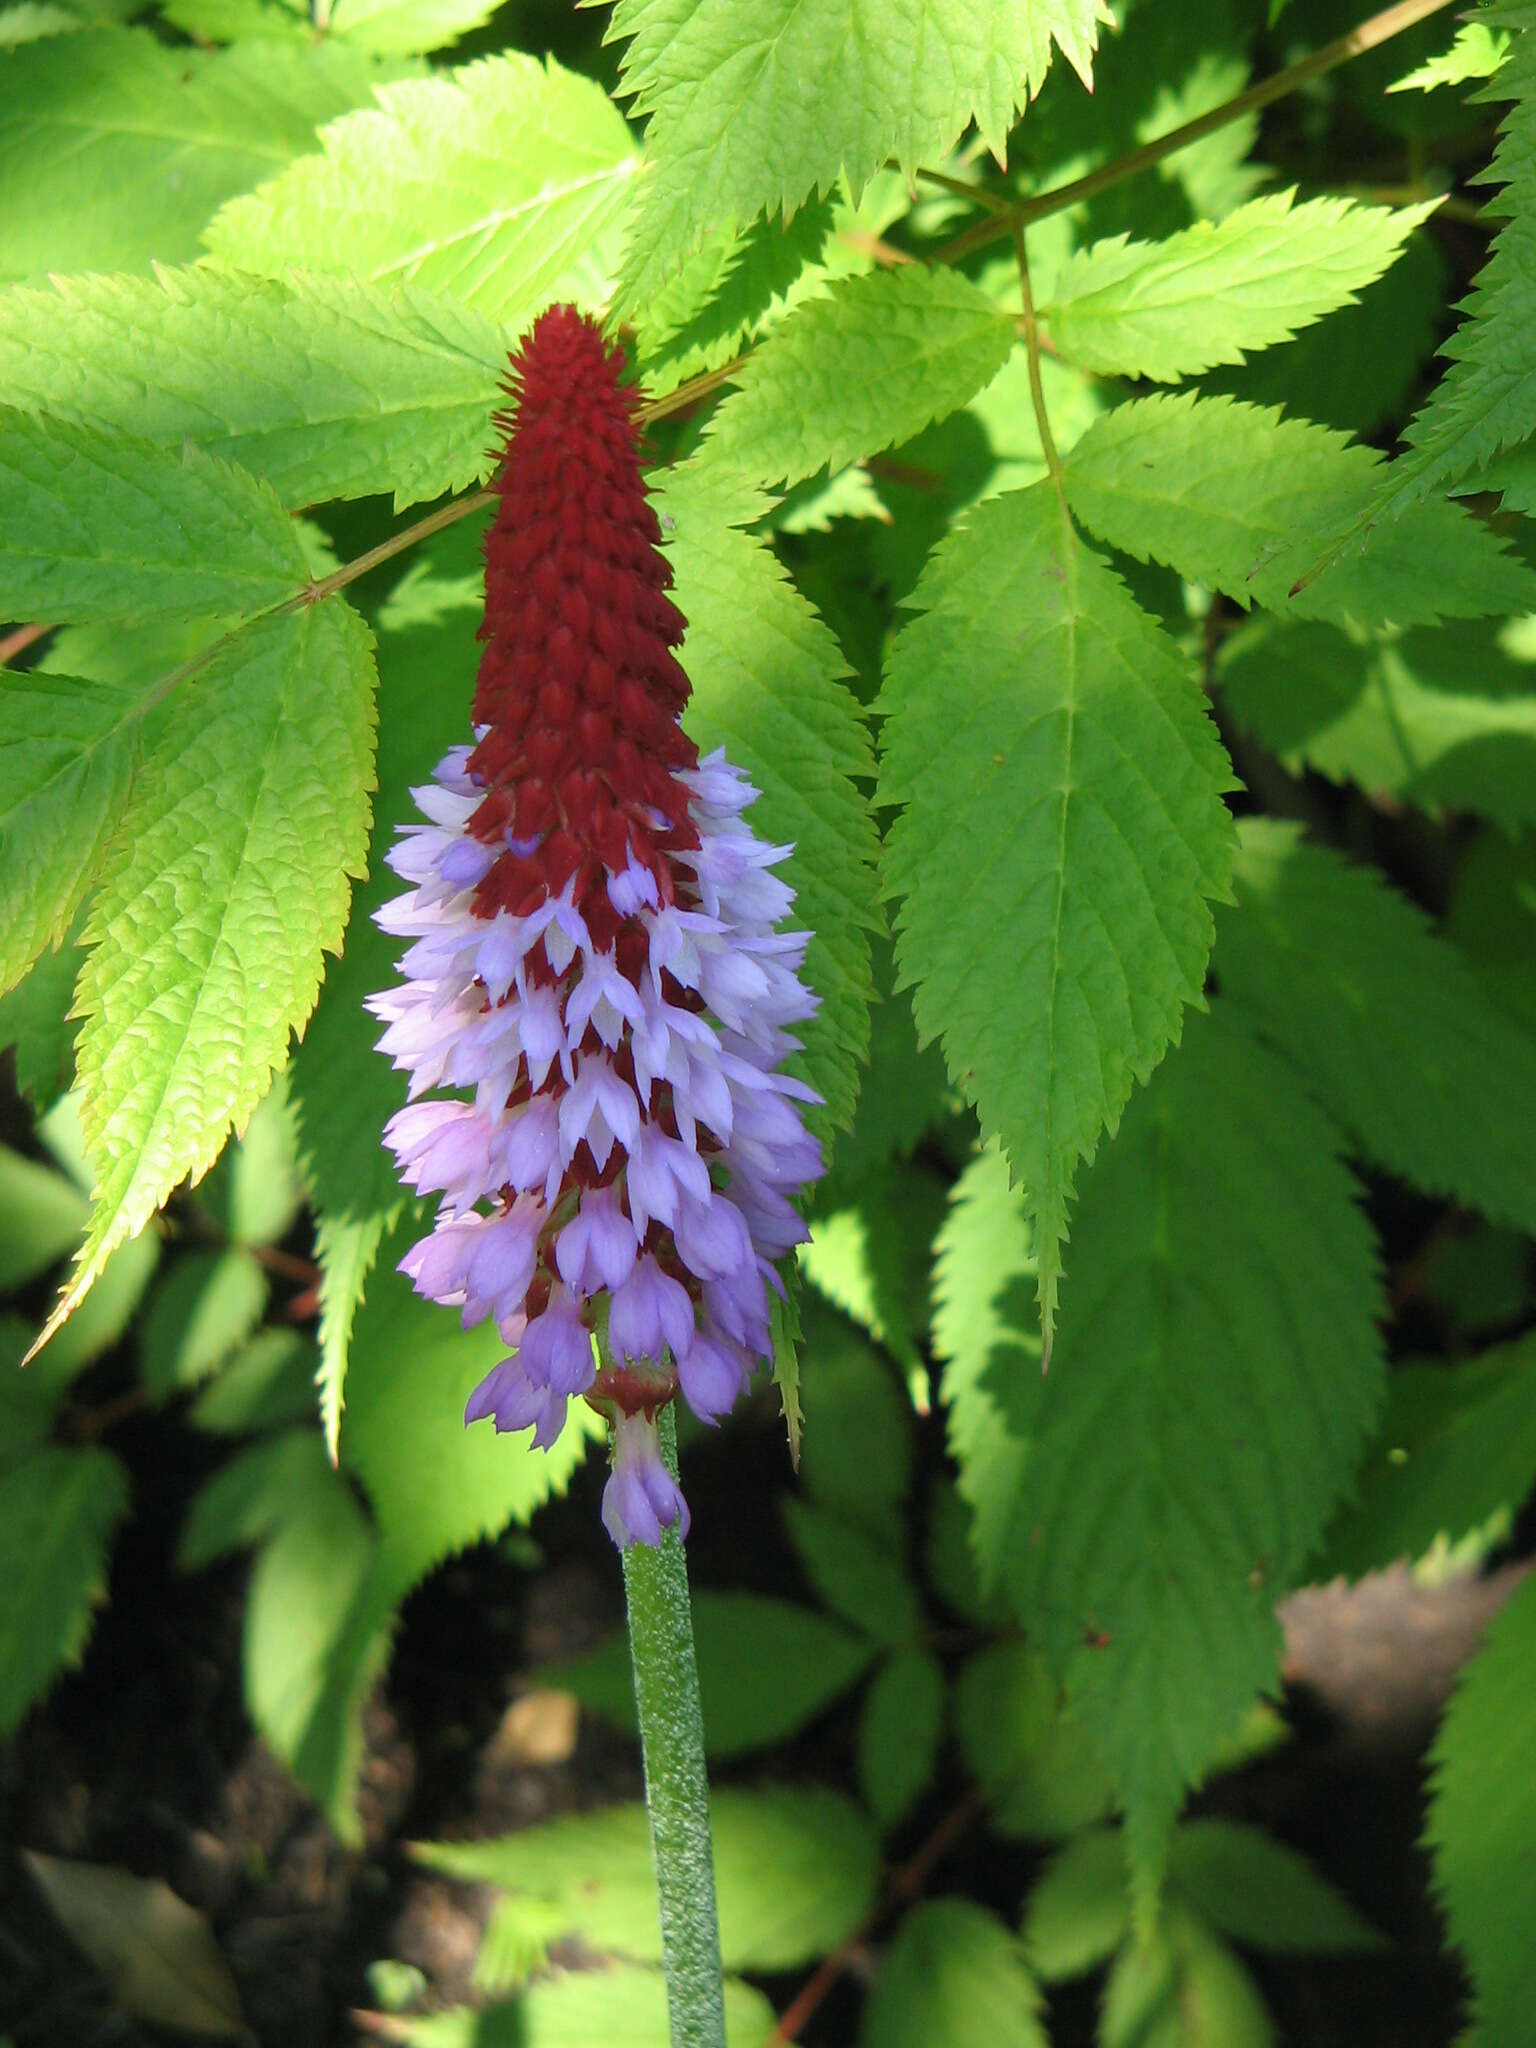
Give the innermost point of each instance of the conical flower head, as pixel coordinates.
(597, 1001)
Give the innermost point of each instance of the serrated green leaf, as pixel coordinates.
(951, 1560)
(871, 1257)
(1079, 1912)
(30, 20)
(723, 293)
(307, 1662)
(316, 1633)
(858, 1447)
(98, 526)
(66, 755)
(621, 2008)
(503, 182)
(1513, 475)
(784, 1333)
(350, 1175)
(98, 13)
(1260, 1892)
(327, 387)
(254, 1192)
(736, 1636)
(1383, 1021)
(1455, 1448)
(115, 147)
(1026, 1747)
(436, 1486)
(899, 1728)
(903, 1096)
(58, 1512)
(1182, 1988)
(1481, 1816)
(1492, 919)
(1220, 491)
(397, 28)
(756, 107)
(990, 447)
(61, 1133)
(956, 1974)
(1212, 293)
(1486, 401)
(114, 653)
(1357, 368)
(249, 1496)
(103, 1317)
(785, 1336)
(870, 364)
(28, 1401)
(41, 1217)
(767, 686)
(515, 1943)
(858, 1577)
(422, 712)
(1215, 1373)
(35, 1020)
(1440, 719)
(1476, 51)
(268, 1382)
(1476, 1276)
(1061, 836)
(206, 1306)
(155, 1951)
(228, 881)
(795, 1869)
(1215, 174)
(347, 1249)
(816, 506)
(984, 1277)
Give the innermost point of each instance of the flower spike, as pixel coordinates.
(597, 1001)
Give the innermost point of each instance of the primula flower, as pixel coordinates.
(594, 963)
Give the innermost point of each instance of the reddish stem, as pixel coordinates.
(905, 1884)
(19, 641)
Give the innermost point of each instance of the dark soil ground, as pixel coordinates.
(143, 1759)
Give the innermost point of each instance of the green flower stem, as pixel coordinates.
(676, 1788)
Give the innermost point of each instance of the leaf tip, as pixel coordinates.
(70, 1298)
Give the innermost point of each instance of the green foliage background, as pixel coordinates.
(1158, 763)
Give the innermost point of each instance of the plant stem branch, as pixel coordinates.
(317, 591)
(19, 641)
(905, 1884)
(1032, 350)
(676, 1788)
(1003, 220)
(396, 544)
(1380, 28)
(288, 1264)
(695, 388)
(978, 195)
(1448, 206)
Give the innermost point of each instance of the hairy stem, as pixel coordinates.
(676, 1788)
(1392, 21)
